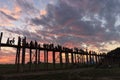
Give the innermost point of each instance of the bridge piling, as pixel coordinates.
(17, 60)
(61, 61)
(39, 55)
(72, 58)
(30, 55)
(1, 34)
(53, 56)
(66, 59)
(23, 53)
(36, 55)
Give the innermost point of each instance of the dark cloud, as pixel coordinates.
(38, 21)
(27, 7)
(8, 16)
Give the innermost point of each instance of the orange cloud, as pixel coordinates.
(17, 12)
(8, 16)
(43, 12)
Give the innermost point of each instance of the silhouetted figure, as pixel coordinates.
(51, 46)
(19, 41)
(36, 44)
(24, 41)
(1, 35)
(12, 41)
(1, 38)
(8, 41)
(59, 47)
(31, 44)
(27, 45)
(18, 53)
(45, 45)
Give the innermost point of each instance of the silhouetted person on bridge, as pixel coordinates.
(31, 44)
(24, 41)
(51, 46)
(45, 45)
(8, 41)
(11, 42)
(36, 44)
(19, 41)
(1, 38)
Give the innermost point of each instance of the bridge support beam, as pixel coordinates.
(36, 59)
(17, 58)
(61, 61)
(23, 53)
(72, 58)
(46, 59)
(30, 59)
(66, 59)
(54, 60)
(1, 34)
(39, 57)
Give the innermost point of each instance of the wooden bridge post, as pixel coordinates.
(99, 60)
(66, 59)
(95, 62)
(30, 59)
(78, 57)
(82, 58)
(53, 59)
(93, 58)
(36, 55)
(23, 52)
(47, 59)
(90, 59)
(87, 58)
(1, 38)
(99, 57)
(96, 58)
(72, 57)
(30, 55)
(17, 60)
(75, 57)
(61, 61)
(44, 59)
(39, 54)
(46, 55)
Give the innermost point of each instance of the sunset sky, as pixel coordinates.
(92, 24)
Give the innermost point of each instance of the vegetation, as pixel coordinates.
(82, 73)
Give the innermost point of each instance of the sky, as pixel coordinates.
(91, 24)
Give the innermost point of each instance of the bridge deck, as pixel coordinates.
(41, 48)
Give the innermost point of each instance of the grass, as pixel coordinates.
(83, 73)
(11, 68)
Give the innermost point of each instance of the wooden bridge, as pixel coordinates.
(72, 56)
